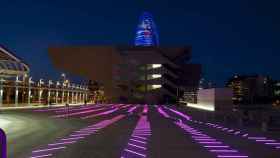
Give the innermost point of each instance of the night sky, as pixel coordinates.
(228, 37)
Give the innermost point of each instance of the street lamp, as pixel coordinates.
(41, 82)
(56, 95)
(16, 92)
(63, 85)
(29, 89)
(49, 91)
(1, 91)
(68, 88)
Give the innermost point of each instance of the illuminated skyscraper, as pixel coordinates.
(146, 32)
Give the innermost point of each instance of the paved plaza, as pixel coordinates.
(127, 131)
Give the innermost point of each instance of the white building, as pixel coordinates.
(214, 99)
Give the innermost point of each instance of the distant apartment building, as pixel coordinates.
(276, 93)
(252, 89)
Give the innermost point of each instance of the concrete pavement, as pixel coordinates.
(105, 131)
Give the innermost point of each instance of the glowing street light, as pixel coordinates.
(56, 93)
(41, 82)
(49, 91)
(1, 91)
(29, 89)
(16, 92)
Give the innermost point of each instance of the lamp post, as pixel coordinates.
(16, 92)
(68, 93)
(41, 82)
(49, 92)
(77, 93)
(1, 91)
(72, 93)
(80, 94)
(63, 85)
(56, 92)
(86, 94)
(29, 90)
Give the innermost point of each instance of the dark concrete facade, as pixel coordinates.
(132, 74)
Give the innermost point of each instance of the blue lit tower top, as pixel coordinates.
(146, 33)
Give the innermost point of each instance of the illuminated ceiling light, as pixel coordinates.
(156, 75)
(156, 65)
(155, 86)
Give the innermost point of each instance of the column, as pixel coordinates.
(68, 96)
(49, 96)
(72, 97)
(40, 95)
(76, 97)
(80, 97)
(49, 92)
(56, 96)
(83, 96)
(62, 98)
(29, 94)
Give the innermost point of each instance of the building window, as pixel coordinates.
(156, 65)
(154, 76)
(154, 86)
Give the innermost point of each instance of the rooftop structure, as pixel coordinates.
(10, 65)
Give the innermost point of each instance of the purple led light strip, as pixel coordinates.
(162, 112)
(100, 114)
(179, 113)
(132, 109)
(221, 150)
(264, 140)
(115, 108)
(211, 144)
(145, 110)
(73, 138)
(137, 144)
(50, 109)
(78, 113)
(79, 109)
(53, 109)
(40, 156)
(267, 141)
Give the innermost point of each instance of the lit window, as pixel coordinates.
(154, 76)
(156, 65)
(156, 86)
